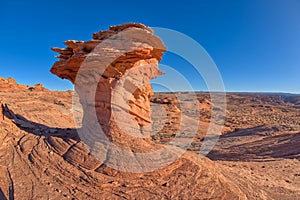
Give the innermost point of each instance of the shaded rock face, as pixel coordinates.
(111, 74)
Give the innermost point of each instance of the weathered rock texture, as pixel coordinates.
(42, 158)
(112, 73)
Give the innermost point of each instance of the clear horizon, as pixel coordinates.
(255, 44)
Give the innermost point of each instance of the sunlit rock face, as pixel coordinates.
(111, 74)
(9, 85)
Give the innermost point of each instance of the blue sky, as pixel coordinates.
(255, 43)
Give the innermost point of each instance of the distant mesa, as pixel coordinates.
(10, 85)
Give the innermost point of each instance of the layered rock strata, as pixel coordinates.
(111, 74)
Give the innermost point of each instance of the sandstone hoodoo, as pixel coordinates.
(111, 74)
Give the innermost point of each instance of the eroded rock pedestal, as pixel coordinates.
(111, 74)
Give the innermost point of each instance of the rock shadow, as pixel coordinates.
(37, 128)
(2, 196)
